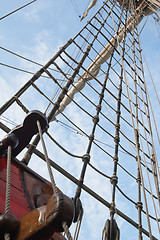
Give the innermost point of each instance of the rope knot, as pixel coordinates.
(86, 158)
(114, 180)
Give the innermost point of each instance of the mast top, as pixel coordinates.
(126, 3)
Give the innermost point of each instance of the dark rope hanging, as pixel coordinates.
(111, 230)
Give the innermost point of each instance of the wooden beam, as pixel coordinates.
(42, 222)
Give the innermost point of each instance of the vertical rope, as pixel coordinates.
(46, 158)
(114, 178)
(8, 188)
(64, 224)
(8, 181)
(139, 203)
(79, 221)
(154, 169)
(86, 157)
(154, 161)
(148, 119)
(141, 178)
(138, 162)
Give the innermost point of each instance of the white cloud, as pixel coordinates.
(34, 11)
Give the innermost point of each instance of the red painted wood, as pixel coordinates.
(18, 202)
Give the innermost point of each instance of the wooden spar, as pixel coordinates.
(41, 222)
(104, 55)
(32, 197)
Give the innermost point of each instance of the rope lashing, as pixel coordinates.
(8, 222)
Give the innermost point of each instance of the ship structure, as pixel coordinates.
(95, 129)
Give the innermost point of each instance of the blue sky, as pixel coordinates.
(37, 32)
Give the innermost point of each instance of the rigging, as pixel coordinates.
(17, 9)
(111, 55)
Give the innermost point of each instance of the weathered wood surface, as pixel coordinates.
(18, 202)
(41, 222)
(28, 192)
